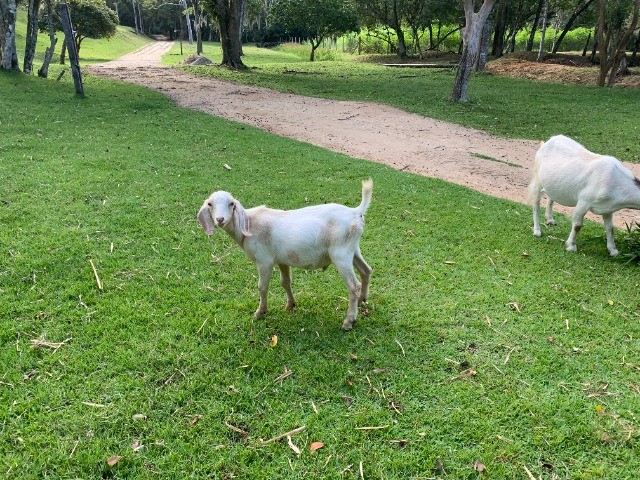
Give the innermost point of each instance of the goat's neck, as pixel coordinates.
(234, 233)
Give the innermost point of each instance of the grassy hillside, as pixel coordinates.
(481, 346)
(603, 119)
(92, 50)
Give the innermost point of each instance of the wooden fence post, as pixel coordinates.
(67, 27)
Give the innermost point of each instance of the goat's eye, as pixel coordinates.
(210, 204)
(231, 205)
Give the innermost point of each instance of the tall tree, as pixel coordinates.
(228, 13)
(617, 20)
(389, 14)
(8, 52)
(582, 7)
(471, 33)
(32, 35)
(315, 19)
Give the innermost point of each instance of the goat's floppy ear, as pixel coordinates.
(241, 219)
(204, 217)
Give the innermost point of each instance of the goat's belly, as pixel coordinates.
(306, 262)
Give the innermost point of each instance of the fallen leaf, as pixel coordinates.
(227, 166)
(478, 466)
(274, 340)
(136, 445)
(139, 416)
(449, 262)
(113, 460)
(195, 420)
(315, 446)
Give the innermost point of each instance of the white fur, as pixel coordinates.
(309, 238)
(571, 175)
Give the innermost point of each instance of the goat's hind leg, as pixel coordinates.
(535, 192)
(365, 273)
(285, 281)
(345, 268)
(548, 214)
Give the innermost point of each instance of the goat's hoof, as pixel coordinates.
(613, 253)
(290, 306)
(361, 301)
(348, 324)
(572, 248)
(259, 313)
(550, 223)
(537, 233)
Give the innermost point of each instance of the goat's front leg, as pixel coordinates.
(285, 281)
(577, 217)
(345, 268)
(365, 273)
(264, 276)
(608, 228)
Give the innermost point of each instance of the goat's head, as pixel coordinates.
(221, 209)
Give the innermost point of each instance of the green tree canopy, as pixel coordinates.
(91, 19)
(315, 19)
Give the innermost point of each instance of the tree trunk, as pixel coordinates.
(228, 13)
(188, 19)
(474, 23)
(485, 40)
(397, 26)
(569, 24)
(8, 52)
(586, 45)
(634, 55)
(534, 27)
(135, 17)
(32, 35)
(48, 54)
(545, 14)
(69, 40)
(501, 27)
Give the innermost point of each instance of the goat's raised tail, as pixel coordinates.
(367, 191)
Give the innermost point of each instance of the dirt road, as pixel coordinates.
(359, 129)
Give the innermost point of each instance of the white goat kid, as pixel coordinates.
(571, 175)
(310, 238)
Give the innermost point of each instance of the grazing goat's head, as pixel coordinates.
(220, 209)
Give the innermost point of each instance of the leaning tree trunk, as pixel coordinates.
(32, 35)
(471, 44)
(229, 14)
(534, 27)
(569, 24)
(8, 53)
(48, 54)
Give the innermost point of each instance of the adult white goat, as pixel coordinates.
(573, 176)
(309, 238)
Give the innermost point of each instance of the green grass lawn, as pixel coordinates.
(602, 119)
(481, 343)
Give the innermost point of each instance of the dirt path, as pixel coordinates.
(376, 132)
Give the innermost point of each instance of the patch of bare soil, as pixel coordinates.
(497, 166)
(561, 68)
